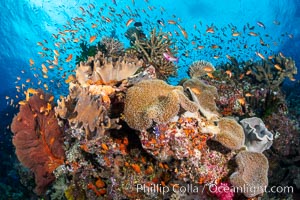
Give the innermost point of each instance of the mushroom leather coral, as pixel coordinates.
(38, 139)
(204, 95)
(252, 173)
(231, 134)
(154, 100)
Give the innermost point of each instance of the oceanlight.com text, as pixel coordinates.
(249, 189)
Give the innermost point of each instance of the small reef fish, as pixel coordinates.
(129, 21)
(235, 34)
(260, 55)
(160, 22)
(184, 33)
(170, 58)
(31, 62)
(253, 34)
(277, 66)
(210, 30)
(93, 38)
(261, 25)
(172, 22)
(69, 58)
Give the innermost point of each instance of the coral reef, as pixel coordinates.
(251, 176)
(38, 139)
(130, 135)
(258, 137)
(154, 101)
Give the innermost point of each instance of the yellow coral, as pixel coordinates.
(154, 101)
(231, 134)
(252, 173)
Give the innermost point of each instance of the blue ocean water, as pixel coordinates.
(26, 22)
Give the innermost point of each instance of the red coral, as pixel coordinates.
(38, 139)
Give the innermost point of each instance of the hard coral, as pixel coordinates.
(204, 95)
(152, 50)
(274, 71)
(38, 139)
(154, 101)
(231, 134)
(251, 177)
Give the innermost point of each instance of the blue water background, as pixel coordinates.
(26, 22)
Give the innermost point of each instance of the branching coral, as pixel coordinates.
(154, 101)
(274, 71)
(251, 177)
(38, 139)
(114, 48)
(153, 49)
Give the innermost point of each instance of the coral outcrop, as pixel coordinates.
(154, 101)
(258, 137)
(251, 177)
(38, 139)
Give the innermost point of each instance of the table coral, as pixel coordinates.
(38, 139)
(154, 101)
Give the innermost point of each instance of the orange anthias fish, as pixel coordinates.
(129, 21)
(172, 22)
(260, 55)
(93, 38)
(69, 58)
(31, 62)
(210, 30)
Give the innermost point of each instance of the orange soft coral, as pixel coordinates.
(38, 139)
